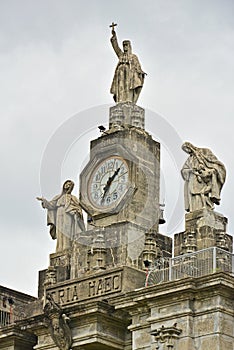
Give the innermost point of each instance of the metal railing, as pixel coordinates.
(9, 317)
(197, 264)
(5, 318)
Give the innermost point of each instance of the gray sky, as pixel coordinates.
(56, 62)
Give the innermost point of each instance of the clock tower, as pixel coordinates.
(119, 191)
(113, 283)
(111, 255)
(120, 185)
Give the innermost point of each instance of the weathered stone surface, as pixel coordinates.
(64, 216)
(100, 285)
(96, 278)
(13, 305)
(15, 339)
(58, 323)
(193, 305)
(167, 337)
(203, 229)
(142, 154)
(126, 114)
(129, 77)
(204, 177)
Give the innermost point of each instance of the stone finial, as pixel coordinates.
(204, 177)
(50, 277)
(151, 250)
(97, 253)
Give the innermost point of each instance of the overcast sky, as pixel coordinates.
(56, 63)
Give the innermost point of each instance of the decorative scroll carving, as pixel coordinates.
(166, 337)
(57, 323)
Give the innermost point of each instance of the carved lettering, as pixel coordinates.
(81, 290)
(92, 289)
(68, 294)
(99, 287)
(108, 284)
(74, 295)
(116, 282)
(61, 296)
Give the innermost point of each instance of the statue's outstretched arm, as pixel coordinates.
(114, 43)
(45, 203)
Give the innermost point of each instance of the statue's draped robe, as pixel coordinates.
(128, 78)
(202, 191)
(65, 218)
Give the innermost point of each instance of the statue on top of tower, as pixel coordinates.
(204, 177)
(129, 77)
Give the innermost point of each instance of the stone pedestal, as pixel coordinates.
(203, 229)
(127, 113)
(104, 249)
(120, 244)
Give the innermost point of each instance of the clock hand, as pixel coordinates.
(111, 178)
(109, 181)
(114, 175)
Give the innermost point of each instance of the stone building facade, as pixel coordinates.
(115, 283)
(118, 286)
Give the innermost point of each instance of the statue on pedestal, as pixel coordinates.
(204, 177)
(129, 77)
(64, 216)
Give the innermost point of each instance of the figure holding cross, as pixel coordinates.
(129, 77)
(112, 26)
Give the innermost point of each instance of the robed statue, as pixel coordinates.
(128, 77)
(64, 216)
(204, 177)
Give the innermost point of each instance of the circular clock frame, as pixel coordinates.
(108, 183)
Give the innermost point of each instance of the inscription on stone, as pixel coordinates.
(88, 288)
(104, 285)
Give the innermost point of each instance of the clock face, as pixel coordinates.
(108, 182)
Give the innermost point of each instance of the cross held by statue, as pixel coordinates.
(113, 25)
